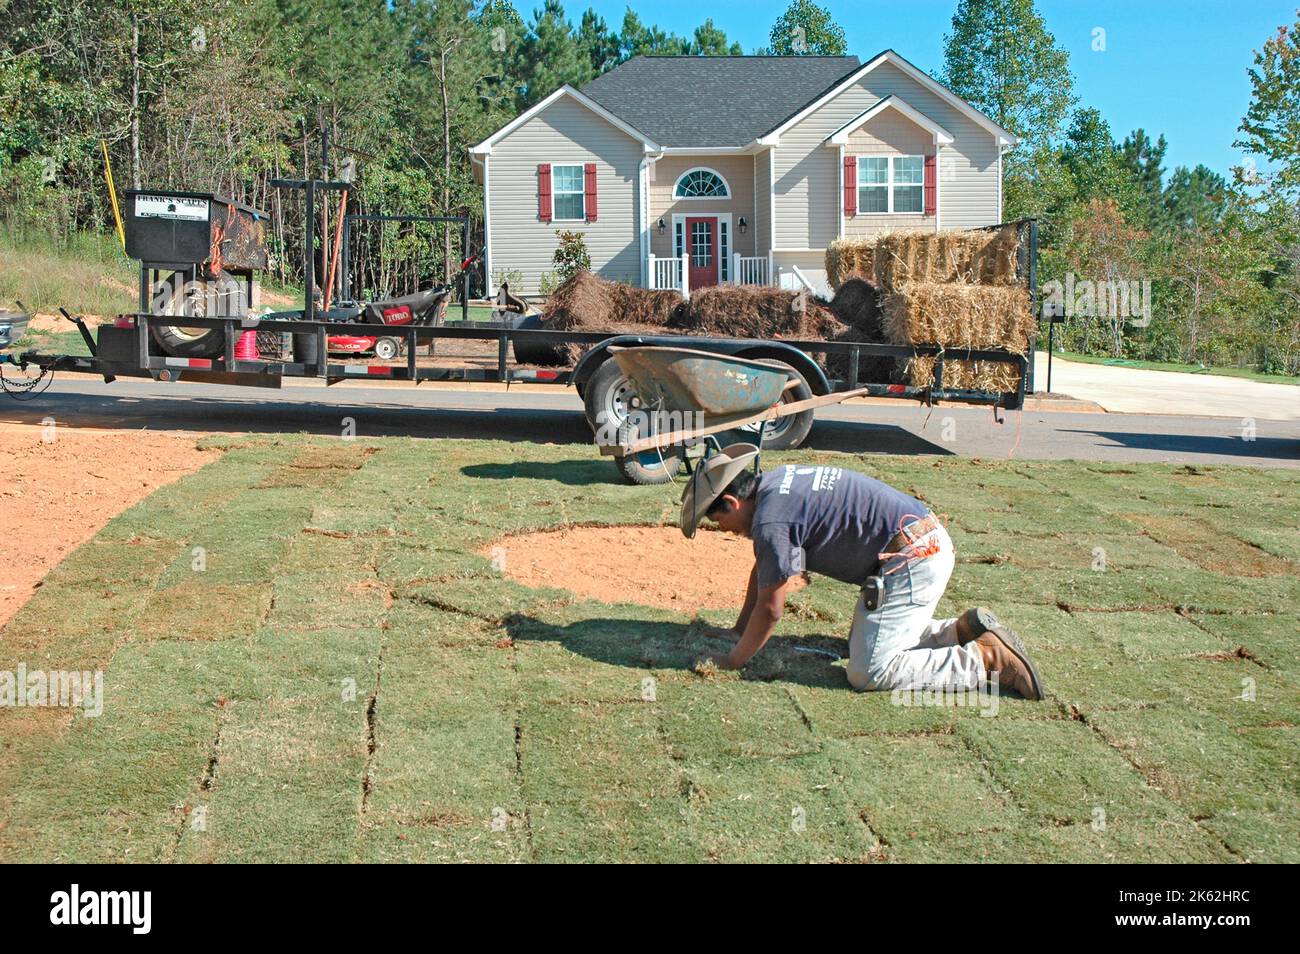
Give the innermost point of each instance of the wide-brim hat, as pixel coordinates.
(709, 481)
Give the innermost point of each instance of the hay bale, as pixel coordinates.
(959, 316)
(848, 258)
(983, 257)
(746, 311)
(979, 375)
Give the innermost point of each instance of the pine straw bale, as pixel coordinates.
(978, 375)
(848, 258)
(587, 303)
(959, 316)
(857, 305)
(981, 257)
(744, 311)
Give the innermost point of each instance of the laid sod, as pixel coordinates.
(308, 655)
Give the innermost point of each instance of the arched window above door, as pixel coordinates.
(701, 184)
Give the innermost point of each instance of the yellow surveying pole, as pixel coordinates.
(112, 194)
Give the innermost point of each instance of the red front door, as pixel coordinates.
(702, 251)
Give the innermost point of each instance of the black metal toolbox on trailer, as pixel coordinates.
(188, 228)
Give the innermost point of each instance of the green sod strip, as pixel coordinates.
(600, 784)
(292, 753)
(117, 787)
(444, 782)
(787, 810)
(1271, 639)
(922, 788)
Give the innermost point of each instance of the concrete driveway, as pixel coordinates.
(1138, 391)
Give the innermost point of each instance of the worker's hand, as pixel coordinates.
(724, 661)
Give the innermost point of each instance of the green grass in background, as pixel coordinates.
(349, 680)
(1249, 373)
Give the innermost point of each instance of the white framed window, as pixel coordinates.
(909, 183)
(894, 184)
(568, 189)
(679, 238)
(873, 184)
(724, 250)
(701, 184)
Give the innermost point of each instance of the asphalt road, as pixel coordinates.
(555, 417)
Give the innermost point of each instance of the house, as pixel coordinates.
(684, 172)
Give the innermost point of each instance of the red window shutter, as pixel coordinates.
(850, 185)
(930, 182)
(544, 192)
(589, 186)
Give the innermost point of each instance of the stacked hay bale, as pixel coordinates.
(956, 289)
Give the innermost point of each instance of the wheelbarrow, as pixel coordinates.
(688, 396)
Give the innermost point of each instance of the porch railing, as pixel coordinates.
(669, 273)
(748, 270)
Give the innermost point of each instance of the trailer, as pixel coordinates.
(187, 234)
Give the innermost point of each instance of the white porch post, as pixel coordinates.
(736, 277)
(652, 277)
(686, 278)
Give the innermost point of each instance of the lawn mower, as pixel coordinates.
(423, 308)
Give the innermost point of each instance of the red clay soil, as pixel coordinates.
(650, 566)
(57, 495)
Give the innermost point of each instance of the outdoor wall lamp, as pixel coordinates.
(742, 225)
(662, 228)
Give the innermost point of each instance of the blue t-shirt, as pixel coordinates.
(825, 520)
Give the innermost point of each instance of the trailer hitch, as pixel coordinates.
(87, 337)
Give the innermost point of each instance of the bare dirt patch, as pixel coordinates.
(59, 494)
(652, 566)
(1212, 549)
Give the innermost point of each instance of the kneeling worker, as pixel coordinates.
(858, 530)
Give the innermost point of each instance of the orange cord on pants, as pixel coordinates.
(913, 549)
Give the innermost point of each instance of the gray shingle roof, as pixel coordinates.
(696, 101)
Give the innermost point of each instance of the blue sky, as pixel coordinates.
(1176, 67)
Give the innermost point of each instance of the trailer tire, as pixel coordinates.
(186, 297)
(787, 433)
(607, 399)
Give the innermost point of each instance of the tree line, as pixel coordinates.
(227, 95)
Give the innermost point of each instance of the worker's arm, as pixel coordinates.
(751, 597)
(769, 604)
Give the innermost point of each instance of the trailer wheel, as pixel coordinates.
(787, 433)
(608, 398)
(648, 468)
(182, 297)
(386, 349)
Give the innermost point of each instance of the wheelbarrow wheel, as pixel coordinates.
(647, 468)
(787, 433)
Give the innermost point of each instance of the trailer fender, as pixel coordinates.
(741, 348)
(799, 360)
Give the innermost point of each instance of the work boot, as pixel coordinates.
(1005, 654)
(974, 623)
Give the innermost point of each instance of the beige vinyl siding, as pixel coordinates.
(888, 134)
(738, 171)
(565, 133)
(808, 198)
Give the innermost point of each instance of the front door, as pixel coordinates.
(702, 251)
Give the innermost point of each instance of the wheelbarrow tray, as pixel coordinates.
(684, 379)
